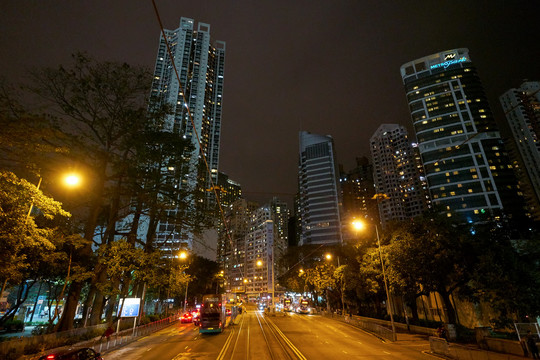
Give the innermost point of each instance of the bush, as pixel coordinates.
(34, 348)
(14, 325)
(13, 354)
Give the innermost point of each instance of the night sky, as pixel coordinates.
(328, 67)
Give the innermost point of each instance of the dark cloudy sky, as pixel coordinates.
(329, 67)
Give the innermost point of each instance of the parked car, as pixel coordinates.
(73, 354)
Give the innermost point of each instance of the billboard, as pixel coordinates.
(131, 307)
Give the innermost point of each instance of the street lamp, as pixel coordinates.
(359, 225)
(182, 256)
(259, 264)
(328, 257)
(70, 180)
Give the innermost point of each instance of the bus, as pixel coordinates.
(213, 315)
(303, 306)
(287, 304)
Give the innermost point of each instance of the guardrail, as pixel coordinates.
(372, 327)
(15, 348)
(126, 336)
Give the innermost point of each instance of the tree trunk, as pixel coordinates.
(414, 309)
(450, 311)
(99, 299)
(87, 306)
(70, 307)
(114, 300)
(72, 300)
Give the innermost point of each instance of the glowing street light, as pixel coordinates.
(72, 180)
(183, 256)
(359, 225)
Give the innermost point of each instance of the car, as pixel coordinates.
(186, 318)
(73, 354)
(196, 316)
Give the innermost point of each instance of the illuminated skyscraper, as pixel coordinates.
(196, 97)
(522, 109)
(398, 174)
(319, 204)
(465, 161)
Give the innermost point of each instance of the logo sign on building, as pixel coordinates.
(447, 63)
(131, 307)
(449, 56)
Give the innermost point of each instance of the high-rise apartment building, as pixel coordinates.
(261, 242)
(465, 161)
(357, 194)
(257, 240)
(318, 181)
(196, 97)
(228, 190)
(522, 109)
(398, 175)
(232, 243)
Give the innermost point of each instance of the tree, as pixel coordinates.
(99, 107)
(435, 252)
(322, 278)
(23, 235)
(506, 274)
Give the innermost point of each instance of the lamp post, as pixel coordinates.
(329, 257)
(358, 225)
(183, 256)
(272, 290)
(70, 180)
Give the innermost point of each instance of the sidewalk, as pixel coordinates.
(449, 350)
(441, 348)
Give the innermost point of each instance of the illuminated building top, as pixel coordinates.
(438, 61)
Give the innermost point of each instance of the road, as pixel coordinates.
(254, 336)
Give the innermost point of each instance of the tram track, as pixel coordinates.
(244, 341)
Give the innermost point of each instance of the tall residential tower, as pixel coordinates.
(522, 109)
(398, 174)
(195, 92)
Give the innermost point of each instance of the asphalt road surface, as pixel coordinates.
(259, 337)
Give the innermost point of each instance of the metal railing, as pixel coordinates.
(8, 349)
(372, 327)
(126, 336)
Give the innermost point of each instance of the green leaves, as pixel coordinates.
(22, 236)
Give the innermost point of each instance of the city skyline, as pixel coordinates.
(314, 66)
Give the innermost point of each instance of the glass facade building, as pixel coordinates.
(466, 165)
(319, 205)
